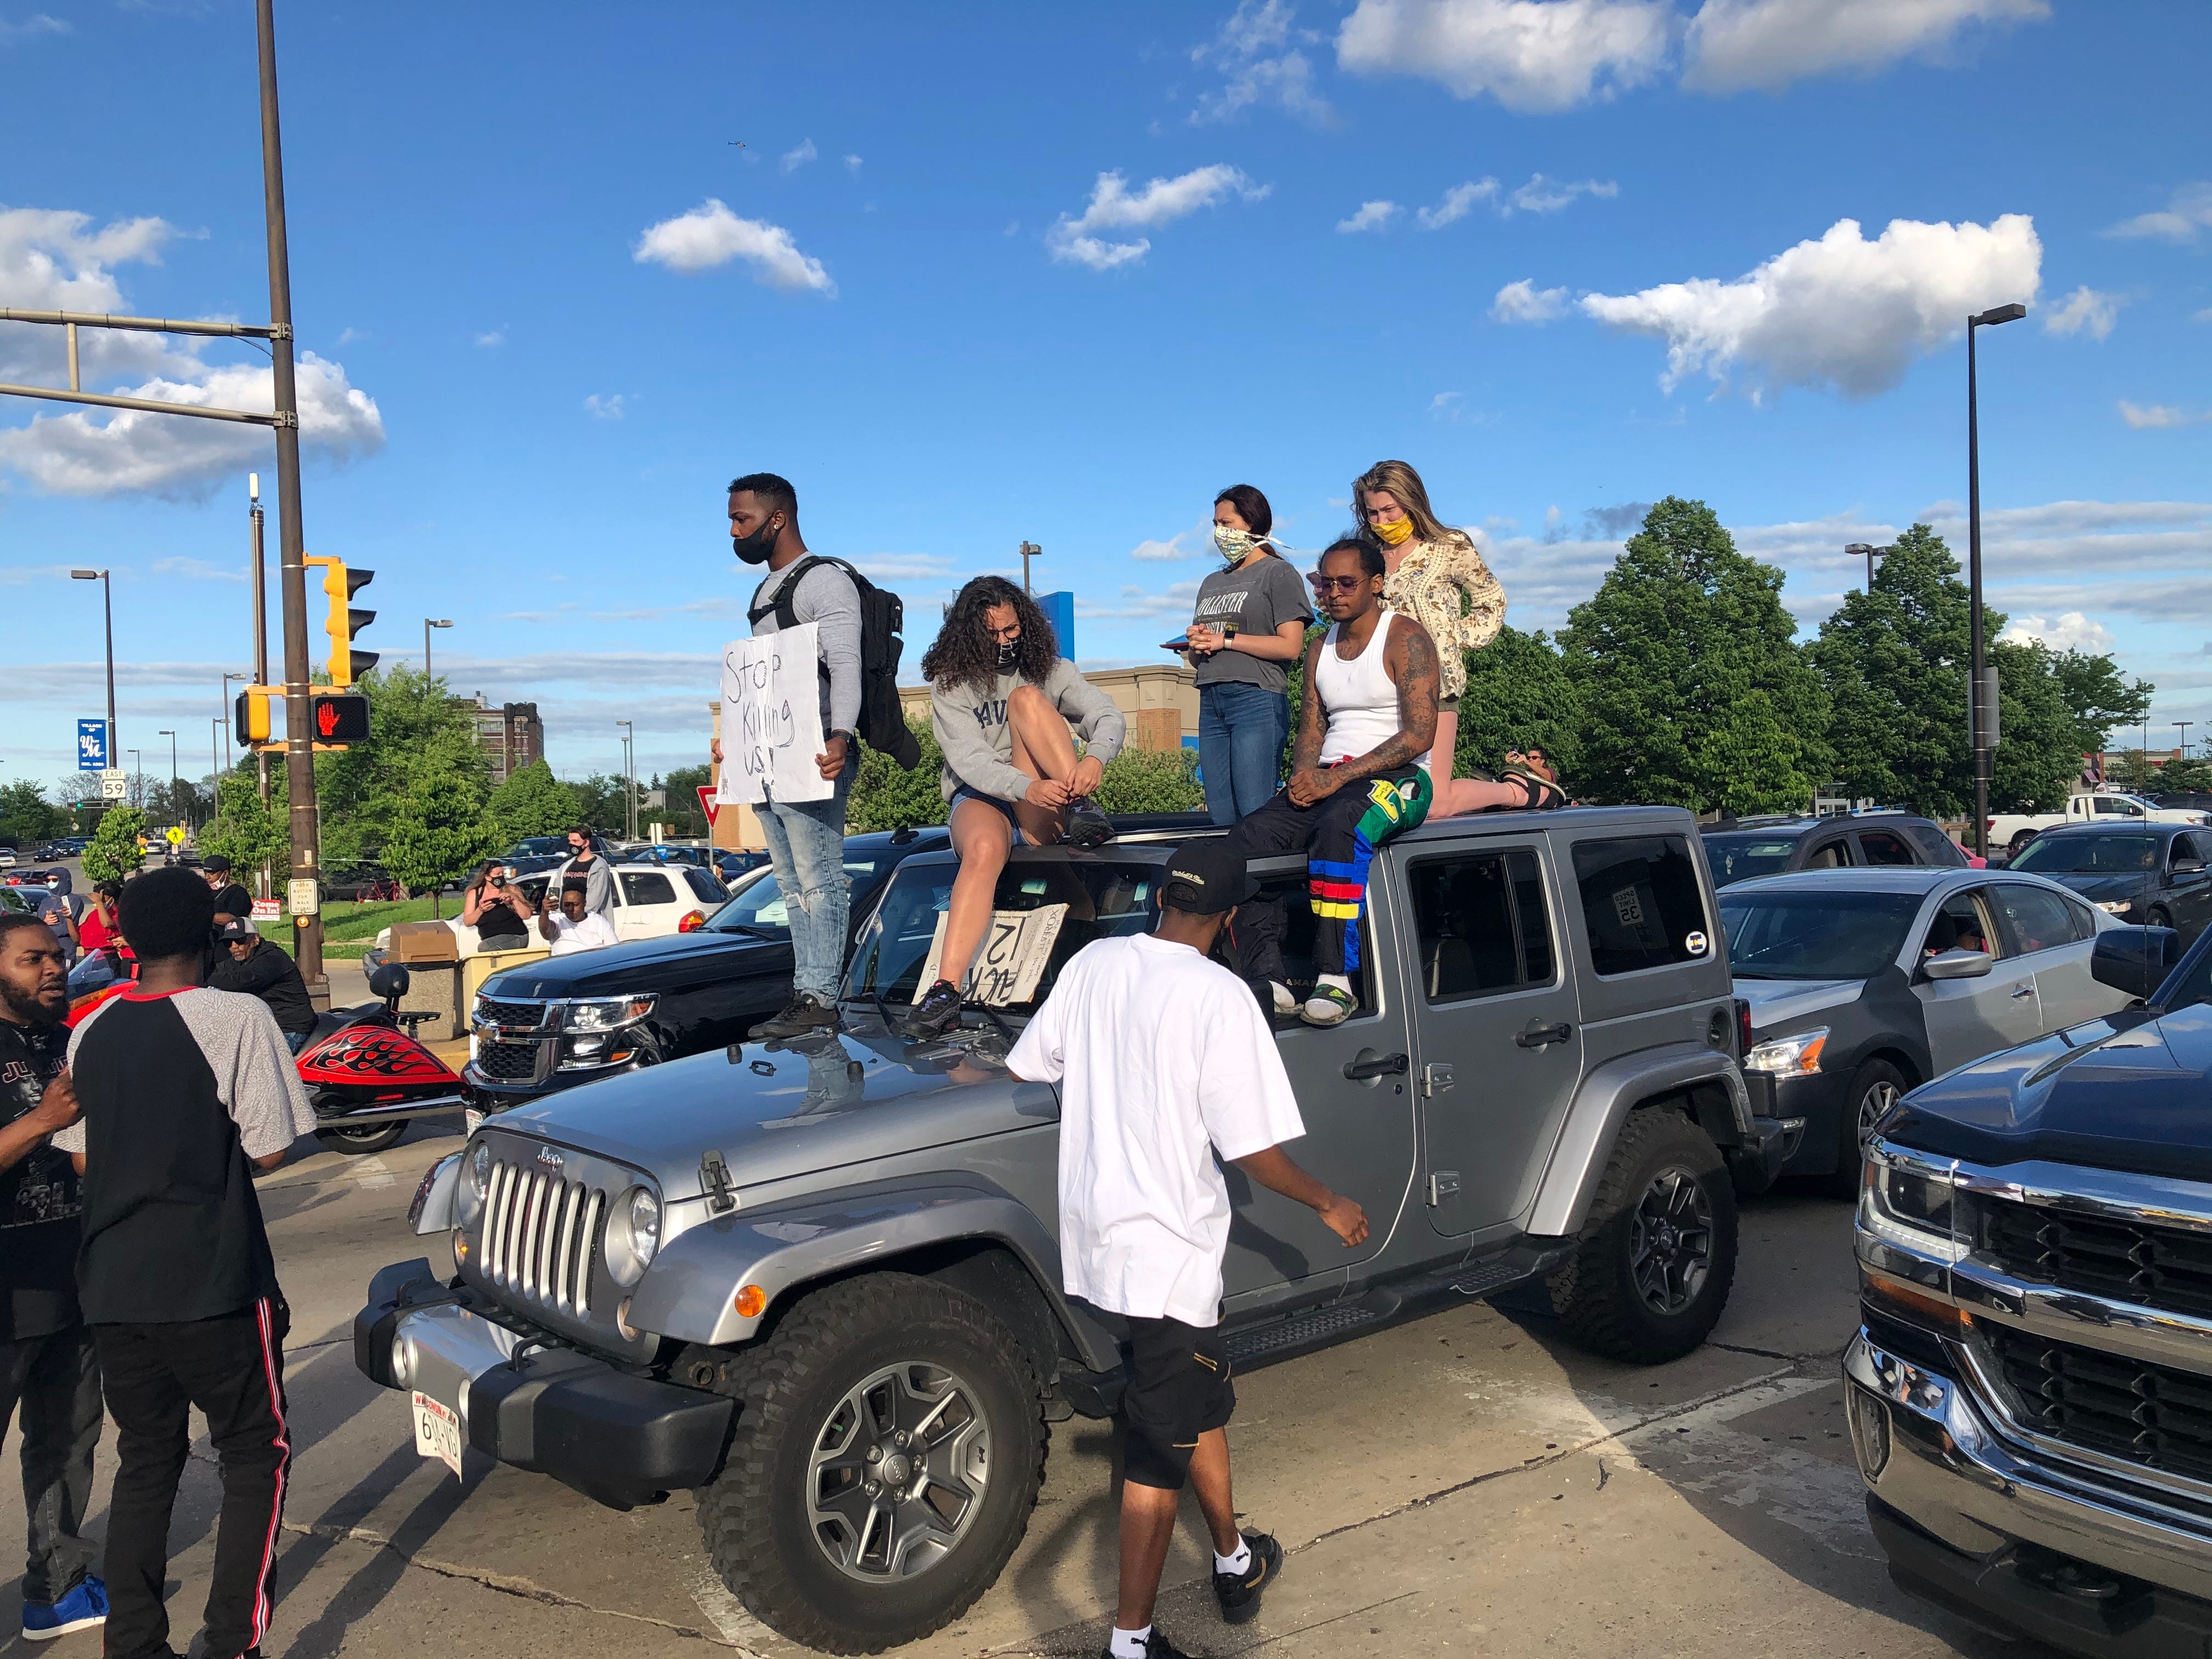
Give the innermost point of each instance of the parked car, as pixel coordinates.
(1864, 985)
(2154, 875)
(2026, 1391)
(1740, 848)
(734, 865)
(760, 1271)
(7, 858)
(544, 1026)
(650, 901)
(2188, 799)
(2016, 829)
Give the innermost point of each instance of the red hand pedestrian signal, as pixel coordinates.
(339, 717)
(326, 721)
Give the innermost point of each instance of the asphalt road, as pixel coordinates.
(1464, 1483)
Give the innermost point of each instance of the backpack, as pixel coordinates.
(883, 621)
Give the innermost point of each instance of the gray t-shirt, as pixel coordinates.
(1255, 598)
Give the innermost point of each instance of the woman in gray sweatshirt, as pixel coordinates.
(1007, 707)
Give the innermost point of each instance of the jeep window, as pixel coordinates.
(1481, 925)
(1641, 906)
(1881, 847)
(2099, 853)
(647, 887)
(761, 908)
(1814, 934)
(2037, 919)
(1738, 858)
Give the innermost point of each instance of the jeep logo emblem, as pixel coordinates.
(546, 1155)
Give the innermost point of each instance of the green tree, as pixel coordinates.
(416, 728)
(886, 796)
(533, 802)
(2096, 698)
(438, 830)
(681, 814)
(244, 830)
(1693, 689)
(1519, 693)
(114, 852)
(599, 803)
(27, 817)
(1151, 781)
(2038, 762)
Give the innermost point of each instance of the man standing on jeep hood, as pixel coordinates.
(1163, 1058)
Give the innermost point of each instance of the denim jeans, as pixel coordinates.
(1241, 732)
(55, 1380)
(806, 845)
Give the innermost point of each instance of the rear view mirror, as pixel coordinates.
(388, 981)
(1957, 964)
(2134, 960)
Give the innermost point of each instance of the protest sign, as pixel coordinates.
(1011, 961)
(772, 718)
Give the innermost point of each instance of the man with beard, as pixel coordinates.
(48, 1372)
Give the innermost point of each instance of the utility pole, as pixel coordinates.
(427, 624)
(260, 636)
(291, 540)
(629, 779)
(2183, 728)
(1029, 550)
(1981, 684)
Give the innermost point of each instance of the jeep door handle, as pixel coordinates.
(1535, 1036)
(1359, 1071)
(2025, 991)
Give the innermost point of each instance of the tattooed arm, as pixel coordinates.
(1409, 656)
(1305, 754)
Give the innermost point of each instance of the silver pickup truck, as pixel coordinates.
(819, 1282)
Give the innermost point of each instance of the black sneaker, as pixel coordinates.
(1157, 1646)
(1087, 827)
(1239, 1592)
(806, 1014)
(936, 1012)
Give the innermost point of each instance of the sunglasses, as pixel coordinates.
(1337, 584)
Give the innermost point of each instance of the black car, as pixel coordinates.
(547, 1026)
(2152, 874)
(1739, 848)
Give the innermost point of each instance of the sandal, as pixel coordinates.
(1544, 795)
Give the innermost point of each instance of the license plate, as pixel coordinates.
(437, 1430)
(471, 1119)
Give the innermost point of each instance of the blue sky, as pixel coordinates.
(997, 272)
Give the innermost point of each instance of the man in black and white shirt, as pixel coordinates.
(1163, 1060)
(185, 1093)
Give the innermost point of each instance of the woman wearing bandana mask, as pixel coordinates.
(1249, 626)
(1434, 575)
(1007, 707)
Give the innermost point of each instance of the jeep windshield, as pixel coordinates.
(1100, 899)
(2104, 853)
(1814, 933)
(1738, 857)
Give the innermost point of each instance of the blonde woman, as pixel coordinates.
(1434, 575)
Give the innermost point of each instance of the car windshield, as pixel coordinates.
(1824, 934)
(2106, 853)
(1736, 858)
(761, 908)
(1073, 904)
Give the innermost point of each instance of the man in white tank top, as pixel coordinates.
(1369, 714)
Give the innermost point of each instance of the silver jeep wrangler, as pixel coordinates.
(819, 1281)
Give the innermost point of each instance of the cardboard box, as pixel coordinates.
(423, 941)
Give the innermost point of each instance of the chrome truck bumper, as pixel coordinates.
(614, 1435)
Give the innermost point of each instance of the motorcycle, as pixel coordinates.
(367, 1076)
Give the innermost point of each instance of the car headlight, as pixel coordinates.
(633, 1235)
(1795, 1055)
(1910, 1204)
(2115, 906)
(475, 1186)
(605, 1013)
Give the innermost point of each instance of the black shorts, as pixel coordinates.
(1179, 1389)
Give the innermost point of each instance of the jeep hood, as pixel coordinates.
(2124, 1092)
(778, 1110)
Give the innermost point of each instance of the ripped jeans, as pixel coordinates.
(806, 845)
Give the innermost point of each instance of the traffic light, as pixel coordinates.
(249, 716)
(339, 585)
(339, 717)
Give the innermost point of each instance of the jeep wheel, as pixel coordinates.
(1657, 1255)
(889, 1449)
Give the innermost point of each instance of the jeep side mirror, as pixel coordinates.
(1957, 964)
(388, 981)
(2134, 960)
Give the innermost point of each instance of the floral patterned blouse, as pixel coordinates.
(1447, 588)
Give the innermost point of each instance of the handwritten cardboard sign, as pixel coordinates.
(772, 718)
(1011, 961)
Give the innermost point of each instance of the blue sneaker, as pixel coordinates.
(84, 1608)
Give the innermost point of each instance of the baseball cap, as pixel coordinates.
(237, 927)
(216, 862)
(1205, 879)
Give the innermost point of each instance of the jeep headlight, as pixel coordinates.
(475, 1185)
(605, 1013)
(1910, 1204)
(1795, 1055)
(633, 1235)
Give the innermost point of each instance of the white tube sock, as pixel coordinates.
(1131, 1643)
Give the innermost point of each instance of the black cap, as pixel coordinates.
(237, 927)
(1205, 878)
(216, 862)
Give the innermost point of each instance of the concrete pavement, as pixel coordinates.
(1464, 1483)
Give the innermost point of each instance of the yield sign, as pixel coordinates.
(708, 803)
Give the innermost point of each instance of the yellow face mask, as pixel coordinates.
(1394, 533)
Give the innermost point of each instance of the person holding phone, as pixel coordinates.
(499, 913)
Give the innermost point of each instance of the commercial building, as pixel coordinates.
(511, 734)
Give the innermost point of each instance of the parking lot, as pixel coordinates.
(1462, 1483)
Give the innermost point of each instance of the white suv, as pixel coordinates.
(651, 900)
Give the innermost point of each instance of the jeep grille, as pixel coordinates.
(542, 1236)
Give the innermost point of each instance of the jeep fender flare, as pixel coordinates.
(1602, 1104)
(690, 1291)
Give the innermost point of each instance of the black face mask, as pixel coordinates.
(755, 548)
(1010, 652)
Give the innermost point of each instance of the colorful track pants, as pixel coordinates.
(1339, 836)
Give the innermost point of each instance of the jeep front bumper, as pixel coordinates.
(614, 1435)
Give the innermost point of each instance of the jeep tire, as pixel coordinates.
(1652, 1267)
(823, 1399)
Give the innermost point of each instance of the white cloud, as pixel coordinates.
(1542, 194)
(1372, 216)
(51, 259)
(79, 454)
(609, 408)
(1446, 405)
(2184, 217)
(1162, 201)
(198, 570)
(1524, 302)
(1256, 52)
(1141, 604)
(1458, 201)
(852, 164)
(2084, 311)
(492, 337)
(1841, 311)
(2071, 632)
(1733, 45)
(711, 235)
(2142, 417)
(1153, 552)
(795, 159)
(1530, 55)
(31, 27)
(903, 567)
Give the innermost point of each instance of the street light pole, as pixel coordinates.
(427, 626)
(2183, 727)
(215, 760)
(1980, 720)
(629, 779)
(174, 813)
(1029, 550)
(107, 613)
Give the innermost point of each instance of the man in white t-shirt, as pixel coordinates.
(1162, 1059)
(572, 927)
